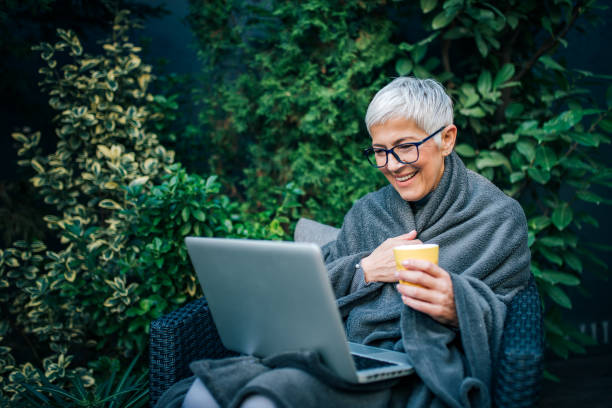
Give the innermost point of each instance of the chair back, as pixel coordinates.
(311, 231)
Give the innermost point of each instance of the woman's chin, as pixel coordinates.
(409, 190)
(410, 193)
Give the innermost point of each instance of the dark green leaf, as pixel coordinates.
(403, 66)
(606, 125)
(512, 20)
(428, 5)
(589, 196)
(562, 216)
(185, 229)
(527, 149)
(185, 214)
(551, 241)
(551, 256)
(514, 110)
(545, 158)
(527, 127)
(199, 215)
(539, 176)
(465, 150)
(504, 74)
(538, 223)
(575, 348)
(210, 181)
(484, 82)
(442, 20)
(564, 121)
(576, 164)
(530, 238)
(476, 112)
(418, 53)
(421, 72)
(516, 176)
(549, 62)
(553, 327)
(558, 295)
(482, 46)
(585, 139)
(573, 261)
(555, 277)
(492, 159)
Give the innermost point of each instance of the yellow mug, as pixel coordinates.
(427, 252)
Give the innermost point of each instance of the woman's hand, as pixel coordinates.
(434, 295)
(380, 266)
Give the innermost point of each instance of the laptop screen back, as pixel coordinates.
(268, 297)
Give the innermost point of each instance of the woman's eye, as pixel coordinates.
(404, 148)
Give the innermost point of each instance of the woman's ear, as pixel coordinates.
(449, 136)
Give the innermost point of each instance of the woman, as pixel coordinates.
(450, 324)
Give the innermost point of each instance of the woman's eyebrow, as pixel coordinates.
(404, 139)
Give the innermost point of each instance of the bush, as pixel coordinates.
(122, 209)
(292, 82)
(69, 305)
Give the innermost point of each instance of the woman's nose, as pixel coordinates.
(393, 164)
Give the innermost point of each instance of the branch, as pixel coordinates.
(591, 128)
(445, 55)
(551, 42)
(446, 46)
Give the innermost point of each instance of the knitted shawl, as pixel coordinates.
(482, 235)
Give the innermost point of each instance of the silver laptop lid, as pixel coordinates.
(268, 297)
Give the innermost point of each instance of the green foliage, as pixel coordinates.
(63, 302)
(287, 90)
(121, 210)
(127, 391)
(290, 83)
(156, 260)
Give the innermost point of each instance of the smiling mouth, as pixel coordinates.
(406, 178)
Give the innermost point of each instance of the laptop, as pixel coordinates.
(269, 297)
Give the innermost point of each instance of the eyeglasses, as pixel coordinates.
(405, 153)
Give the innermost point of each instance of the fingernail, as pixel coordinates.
(396, 273)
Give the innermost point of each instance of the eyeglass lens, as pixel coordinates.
(407, 153)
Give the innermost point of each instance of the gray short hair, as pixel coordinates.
(422, 100)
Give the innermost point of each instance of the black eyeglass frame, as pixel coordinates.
(369, 150)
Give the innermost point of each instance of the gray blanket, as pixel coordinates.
(482, 235)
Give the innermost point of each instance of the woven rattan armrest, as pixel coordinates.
(518, 373)
(177, 339)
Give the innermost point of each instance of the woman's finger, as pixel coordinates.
(410, 235)
(425, 266)
(431, 309)
(437, 312)
(422, 294)
(417, 278)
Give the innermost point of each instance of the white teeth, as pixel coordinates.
(408, 177)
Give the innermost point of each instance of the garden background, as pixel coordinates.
(236, 118)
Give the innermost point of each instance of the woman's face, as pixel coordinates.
(413, 181)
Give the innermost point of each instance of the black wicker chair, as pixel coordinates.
(189, 334)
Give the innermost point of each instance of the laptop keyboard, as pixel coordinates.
(363, 363)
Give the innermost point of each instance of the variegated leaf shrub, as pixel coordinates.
(121, 209)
